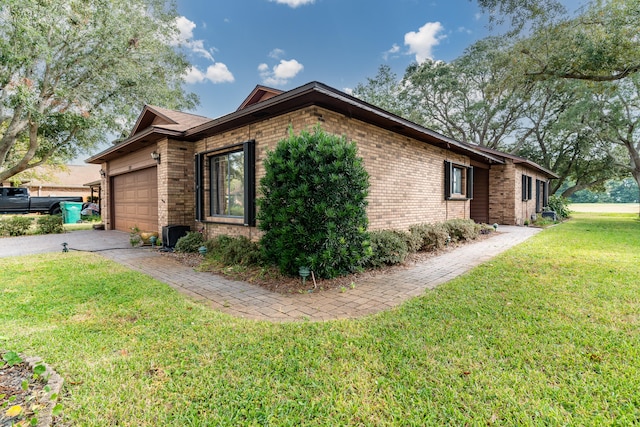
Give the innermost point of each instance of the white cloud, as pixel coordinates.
(348, 90)
(276, 53)
(464, 30)
(185, 38)
(281, 73)
(294, 3)
(185, 29)
(216, 73)
(194, 76)
(219, 73)
(394, 49)
(421, 43)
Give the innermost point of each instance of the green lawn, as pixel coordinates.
(546, 334)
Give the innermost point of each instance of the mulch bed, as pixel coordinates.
(273, 281)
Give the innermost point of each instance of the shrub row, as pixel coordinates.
(388, 247)
(224, 249)
(392, 247)
(20, 225)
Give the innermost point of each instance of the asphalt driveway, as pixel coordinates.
(85, 240)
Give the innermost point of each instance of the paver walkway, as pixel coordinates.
(369, 296)
(241, 299)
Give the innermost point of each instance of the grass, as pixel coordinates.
(87, 224)
(546, 334)
(605, 207)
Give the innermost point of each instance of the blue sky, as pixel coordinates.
(235, 45)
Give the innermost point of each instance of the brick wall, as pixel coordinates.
(406, 176)
(176, 183)
(505, 192)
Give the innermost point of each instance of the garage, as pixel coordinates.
(135, 200)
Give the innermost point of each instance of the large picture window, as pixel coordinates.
(227, 184)
(458, 181)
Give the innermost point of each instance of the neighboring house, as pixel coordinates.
(181, 169)
(69, 180)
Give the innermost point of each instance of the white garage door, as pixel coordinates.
(135, 200)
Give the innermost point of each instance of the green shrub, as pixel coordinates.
(432, 236)
(50, 224)
(313, 209)
(15, 226)
(234, 250)
(387, 248)
(413, 240)
(560, 206)
(462, 229)
(189, 243)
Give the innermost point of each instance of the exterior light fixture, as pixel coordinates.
(304, 272)
(103, 173)
(156, 156)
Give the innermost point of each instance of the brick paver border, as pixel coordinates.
(369, 296)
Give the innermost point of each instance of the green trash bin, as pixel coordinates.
(71, 212)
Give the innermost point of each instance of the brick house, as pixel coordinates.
(181, 169)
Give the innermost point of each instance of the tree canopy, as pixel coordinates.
(565, 94)
(74, 72)
(601, 43)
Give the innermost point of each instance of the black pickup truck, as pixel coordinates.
(18, 200)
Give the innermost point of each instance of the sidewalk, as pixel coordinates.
(241, 299)
(369, 296)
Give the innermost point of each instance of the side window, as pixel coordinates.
(225, 184)
(17, 192)
(526, 188)
(458, 181)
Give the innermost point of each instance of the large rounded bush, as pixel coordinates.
(313, 209)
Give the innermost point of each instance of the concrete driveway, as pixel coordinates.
(85, 240)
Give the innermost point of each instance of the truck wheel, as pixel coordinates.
(55, 210)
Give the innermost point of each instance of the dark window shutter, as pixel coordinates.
(199, 189)
(538, 196)
(524, 188)
(470, 182)
(545, 197)
(250, 183)
(447, 180)
(529, 188)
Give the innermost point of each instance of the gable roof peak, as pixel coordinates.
(165, 118)
(258, 94)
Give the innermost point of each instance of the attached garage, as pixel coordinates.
(135, 200)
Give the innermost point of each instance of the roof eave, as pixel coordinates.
(350, 106)
(133, 143)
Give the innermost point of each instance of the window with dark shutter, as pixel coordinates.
(458, 181)
(526, 188)
(230, 186)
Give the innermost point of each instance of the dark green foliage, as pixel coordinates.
(234, 251)
(431, 236)
(50, 224)
(313, 209)
(559, 205)
(190, 242)
(15, 226)
(387, 248)
(462, 229)
(413, 240)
